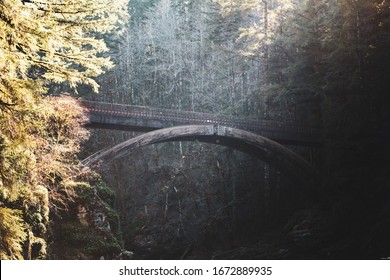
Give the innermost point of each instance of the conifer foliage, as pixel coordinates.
(44, 42)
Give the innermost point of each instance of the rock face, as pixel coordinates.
(100, 220)
(191, 200)
(126, 255)
(82, 215)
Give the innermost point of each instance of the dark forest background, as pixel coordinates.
(316, 63)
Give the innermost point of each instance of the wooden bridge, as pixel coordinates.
(144, 119)
(260, 138)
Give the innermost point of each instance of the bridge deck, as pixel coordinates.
(137, 118)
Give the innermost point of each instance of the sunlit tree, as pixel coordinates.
(44, 42)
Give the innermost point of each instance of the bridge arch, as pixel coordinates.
(261, 147)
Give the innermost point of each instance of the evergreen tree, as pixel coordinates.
(44, 42)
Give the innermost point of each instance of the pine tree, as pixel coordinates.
(44, 42)
(57, 40)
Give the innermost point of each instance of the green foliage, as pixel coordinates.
(101, 195)
(78, 235)
(105, 192)
(84, 242)
(41, 43)
(38, 167)
(58, 40)
(114, 220)
(12, 234)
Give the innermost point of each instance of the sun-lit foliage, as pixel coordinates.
(38, 169)
(41, 43)
(11, 234)
(58, 39)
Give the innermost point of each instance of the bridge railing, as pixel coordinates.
(188, 117)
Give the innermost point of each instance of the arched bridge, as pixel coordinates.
(167, 125)
(256, 145)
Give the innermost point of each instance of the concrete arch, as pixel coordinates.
(263, 148)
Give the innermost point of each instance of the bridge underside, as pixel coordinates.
(258, 146)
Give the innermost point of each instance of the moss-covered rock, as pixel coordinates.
(90, 227)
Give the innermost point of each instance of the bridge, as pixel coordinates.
(145, 119)
(261, 138)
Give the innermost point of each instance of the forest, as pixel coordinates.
(321, 65)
